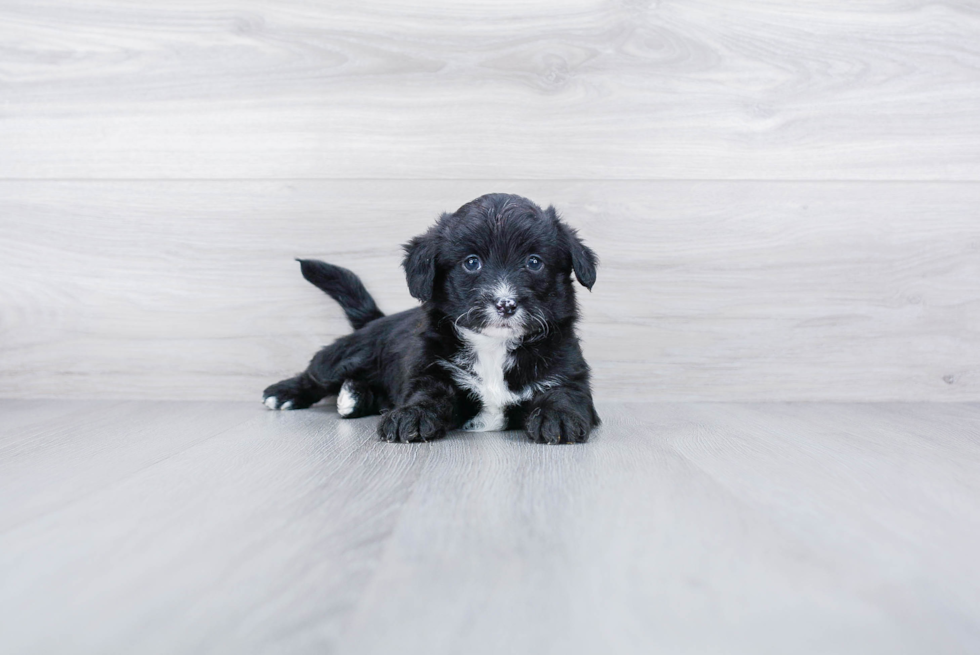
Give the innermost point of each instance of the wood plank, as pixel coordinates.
(86, 446)
(509, 90)
(706, 291)
(706, 528)
(262, 536)
(713, 527)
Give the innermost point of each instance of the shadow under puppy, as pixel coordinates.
(492, 346)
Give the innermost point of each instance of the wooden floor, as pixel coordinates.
(176, 527)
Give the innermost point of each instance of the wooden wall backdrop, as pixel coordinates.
(785, 196)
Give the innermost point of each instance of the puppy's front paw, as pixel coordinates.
(411, 423)
(551, 425)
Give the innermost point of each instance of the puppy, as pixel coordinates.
(492, 346)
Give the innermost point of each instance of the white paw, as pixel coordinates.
(346, 399)
(273, 403)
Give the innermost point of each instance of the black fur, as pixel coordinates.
(344, 287)
(407, 365)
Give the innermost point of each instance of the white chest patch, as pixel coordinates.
(480, 368)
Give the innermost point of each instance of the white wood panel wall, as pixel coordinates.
(785, 197)
(497, 90)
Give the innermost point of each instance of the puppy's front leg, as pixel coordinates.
(427, 414)
(561, 416)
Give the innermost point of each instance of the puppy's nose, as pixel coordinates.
(506, 306)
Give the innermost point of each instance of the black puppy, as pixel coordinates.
(492, 347)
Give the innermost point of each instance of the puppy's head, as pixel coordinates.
(499, 265)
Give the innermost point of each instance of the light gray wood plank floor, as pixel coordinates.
(164, 527)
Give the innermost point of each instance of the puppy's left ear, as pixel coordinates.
(420, 265)
(584, 260)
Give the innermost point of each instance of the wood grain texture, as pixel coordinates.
(719, 527)
(706, 291)
(259, 535)
(84, 450)
(507, 90)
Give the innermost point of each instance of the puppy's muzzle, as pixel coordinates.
(506, 307)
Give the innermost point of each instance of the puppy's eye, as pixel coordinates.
(472, 264)
(534, 263)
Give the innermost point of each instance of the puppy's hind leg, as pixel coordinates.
(323, 377)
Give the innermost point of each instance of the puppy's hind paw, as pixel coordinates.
(273, 403)
(355, 400)
(289, 394)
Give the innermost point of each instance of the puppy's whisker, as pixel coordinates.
(542, 326)
(458, 318)
(539, 317)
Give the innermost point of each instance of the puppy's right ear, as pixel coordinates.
(584, 260)
(420, 265)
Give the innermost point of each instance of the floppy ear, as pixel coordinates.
(584, 260)
(420, 265)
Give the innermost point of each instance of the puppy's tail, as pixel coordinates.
(344, 287)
